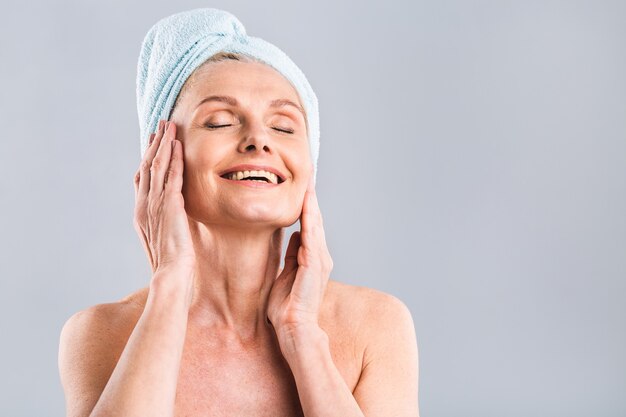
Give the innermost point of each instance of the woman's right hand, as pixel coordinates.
(160, 218)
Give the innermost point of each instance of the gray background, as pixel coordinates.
(472, 163)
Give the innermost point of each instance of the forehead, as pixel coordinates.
(244, 79)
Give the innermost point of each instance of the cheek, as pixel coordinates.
(199, 172)
(300, 154)
(202, 158)
(298, 193)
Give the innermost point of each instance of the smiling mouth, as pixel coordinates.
(258, 176)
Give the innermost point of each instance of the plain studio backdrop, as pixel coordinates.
(472, 163)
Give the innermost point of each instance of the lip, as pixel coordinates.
(250, 167)
(251, 184)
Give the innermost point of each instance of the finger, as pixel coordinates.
(174, 180)
(315, 250)
(136, 180)
(144, 168)
(311, 220)
(138, 172)
(161, 161)
(284, 281)
(291, 256)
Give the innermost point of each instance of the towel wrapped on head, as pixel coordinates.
(178, 44)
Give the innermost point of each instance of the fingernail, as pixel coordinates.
(160, 125)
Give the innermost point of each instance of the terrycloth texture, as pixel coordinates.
(178, 44)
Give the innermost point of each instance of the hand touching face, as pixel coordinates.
(297, 294)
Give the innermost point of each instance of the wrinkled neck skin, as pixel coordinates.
(236, 268)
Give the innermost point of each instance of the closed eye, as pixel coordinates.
(210, 126)
(283, 130)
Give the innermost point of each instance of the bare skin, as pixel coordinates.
(221, 330)
(216, 372)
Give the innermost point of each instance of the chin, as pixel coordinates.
(262, 215)
(244, 211)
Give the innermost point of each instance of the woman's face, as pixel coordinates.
(242, 125)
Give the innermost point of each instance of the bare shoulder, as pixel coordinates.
(365, 302)
(388, 381)
(107, 319)
(103, 324)
(91, 342)
(373, 313)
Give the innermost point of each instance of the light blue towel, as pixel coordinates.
(178, 44)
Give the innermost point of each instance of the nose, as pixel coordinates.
(255, 139)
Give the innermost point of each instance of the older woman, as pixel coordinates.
(221, 329)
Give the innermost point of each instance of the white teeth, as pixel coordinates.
(239, 175)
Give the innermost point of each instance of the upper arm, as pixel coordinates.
(388, 385)
(88, 353)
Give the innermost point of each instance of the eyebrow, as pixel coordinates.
(280, 102)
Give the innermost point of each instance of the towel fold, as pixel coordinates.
(178, 44)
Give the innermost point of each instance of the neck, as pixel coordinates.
(235, 272)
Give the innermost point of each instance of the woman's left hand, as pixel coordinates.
(297, 294)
